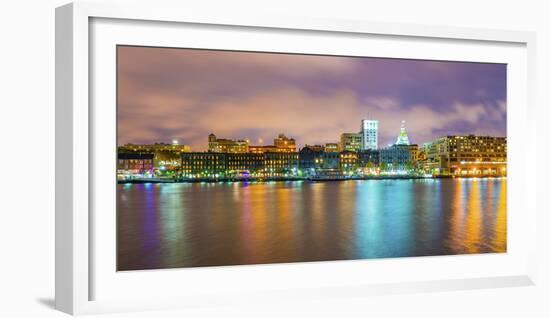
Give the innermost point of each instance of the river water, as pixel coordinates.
(175, 225)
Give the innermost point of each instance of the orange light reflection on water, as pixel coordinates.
(472, 238)
(456, 233)
(499, 239)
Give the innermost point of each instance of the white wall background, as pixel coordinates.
(27, 158)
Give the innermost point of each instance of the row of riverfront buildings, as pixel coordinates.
(355, 155)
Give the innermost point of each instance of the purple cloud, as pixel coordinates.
(185, 94)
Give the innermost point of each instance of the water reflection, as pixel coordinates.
(498, 242)
(473, 219)
(455, 234)
(186, 225)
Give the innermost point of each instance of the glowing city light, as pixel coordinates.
(232, 159)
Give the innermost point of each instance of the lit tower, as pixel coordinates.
(369, 131)
(403, 138)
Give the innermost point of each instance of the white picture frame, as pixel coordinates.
(76, 267)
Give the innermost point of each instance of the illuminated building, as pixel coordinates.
(368, 161)
(310, 158)
(284, 144)
(237, 163)
(226, 145)
(368, 158)
(214, 164)
(348, 160)
(400, 156)
(325, 165)
(319, 159)
(332, 147)
(280, 163)
(203, 164)
(402, 138)
(134, 163)
(351, 141)
(330, 160)
(369, 132)
(467, 156)
(165, 155)
(152, 148)
(396, 158)
(280, 144)
(328, 166)
(421, 154)
(415, 153)
(262, 149)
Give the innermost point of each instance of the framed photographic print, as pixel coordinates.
(201, 157)
(311, 164)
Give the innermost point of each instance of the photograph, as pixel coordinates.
(229, 158)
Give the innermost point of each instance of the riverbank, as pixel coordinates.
(203, 180)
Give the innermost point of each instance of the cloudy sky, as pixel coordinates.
(185, 94)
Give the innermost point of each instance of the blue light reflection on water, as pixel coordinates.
(204, 224)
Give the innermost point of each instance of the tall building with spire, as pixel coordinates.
(403, 138)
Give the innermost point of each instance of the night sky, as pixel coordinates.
(185, 94)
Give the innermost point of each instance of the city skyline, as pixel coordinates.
(186, 94)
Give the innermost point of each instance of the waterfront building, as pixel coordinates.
(368, 161)
(310, 158)
(369, 132)
(134, 163)
(316, 160)
(226, 145)
(396, 158)
(212, 164)
(330, 160)
(281, 163)
(467, 156)
(351, 141)
(203, 164)
(428, 150)
(327, 166)
(332, 147)
(415, 152)
(400, 156)
(403, 138)
(421, 154)
(244, 163)
(348, 161)
(166, 156)
(368, 158)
